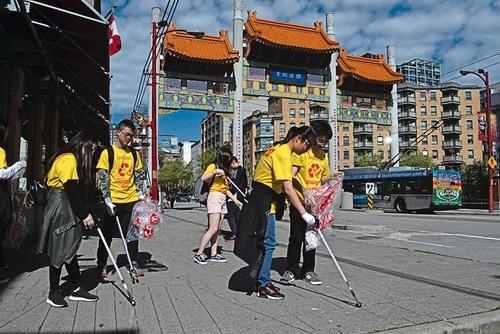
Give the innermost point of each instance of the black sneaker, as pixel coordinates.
(218, 258)
(83, 296)
(56, 299)
(200, 258)
(269, 292)
(3, 277)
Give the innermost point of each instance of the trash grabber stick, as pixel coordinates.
(118, 272)
(239, 190)
(358, 303)
(133, 274)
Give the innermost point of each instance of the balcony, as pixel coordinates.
(452, 129)
(452, 144)
(264, 133)
(406, 100)
(363, 130)
(363, 145)
(408, 129)
(452, 159)
(452, 114)
(407, 115)
(451, 99)
(318, 116)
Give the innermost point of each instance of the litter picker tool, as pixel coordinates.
(129, 295)
(239, 190)
(132, 272)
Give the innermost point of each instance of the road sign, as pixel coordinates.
(492, 162)
(370, 188)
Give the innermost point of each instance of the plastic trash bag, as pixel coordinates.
(324, 201)
(145, 220)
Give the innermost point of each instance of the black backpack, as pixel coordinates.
(111, 157)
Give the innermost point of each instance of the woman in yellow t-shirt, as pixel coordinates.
(7, 174)
(256, 235)
(215, 175)
(70, 176)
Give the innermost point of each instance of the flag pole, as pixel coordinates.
(110, 12)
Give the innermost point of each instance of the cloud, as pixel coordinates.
(457, 32)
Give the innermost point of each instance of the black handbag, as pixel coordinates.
(37, 194)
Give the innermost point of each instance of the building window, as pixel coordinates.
(435, 154)
(434, 140)
(433, 111)
(282, 127)
(423, 110)
(292, 113)
(468, 110)
(345, 140)
(433, 96)
(470, 154)
(423, 125)
(380, 140)
(346, 127)
(468, 95)
(433, 123)
(344, 99)
(346, 155)
(302, 123)
(302, 113)
(470, 139)
(425, 153)
(423, 96)
(381, 154)
(292, 101)
(469, 125)
(425, 140)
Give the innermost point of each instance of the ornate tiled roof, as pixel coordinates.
(368, 68)
(288, 35)
(182, 44)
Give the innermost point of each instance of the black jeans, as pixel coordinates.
(73, 270)
(296, 244)
(109, 228)
(233, 217)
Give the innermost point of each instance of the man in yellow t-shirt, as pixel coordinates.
(310, 171)
(121, 186)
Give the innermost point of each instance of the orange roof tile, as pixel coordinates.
(370, 69)
(289, 35)
(180, 43)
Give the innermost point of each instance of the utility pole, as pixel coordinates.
(155, 18)
(332, 106)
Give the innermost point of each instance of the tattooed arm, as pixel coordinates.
(140, 184)
(103, 181)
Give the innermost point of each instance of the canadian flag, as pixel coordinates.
(115, 41)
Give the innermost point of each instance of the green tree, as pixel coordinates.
(474, 182)
(206, 158)
(416, 159)
(365, 160)
(176, 176)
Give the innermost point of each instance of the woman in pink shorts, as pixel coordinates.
(215, 175)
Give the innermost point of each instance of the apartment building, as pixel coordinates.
(421, 72)
(215, 131)
(258, 135)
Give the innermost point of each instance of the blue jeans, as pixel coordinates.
(269, 245)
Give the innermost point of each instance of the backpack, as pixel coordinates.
(111, 157)
(201, 190)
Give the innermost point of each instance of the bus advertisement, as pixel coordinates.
(405, 189)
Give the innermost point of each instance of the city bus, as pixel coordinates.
(405, 189)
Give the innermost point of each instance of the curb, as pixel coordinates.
(484, 323)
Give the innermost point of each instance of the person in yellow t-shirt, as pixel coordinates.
(6, 205)
(70, 176)
(273, 175)
(216, 175)
(121, 186)
(310, 171)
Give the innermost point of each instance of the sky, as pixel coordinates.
(453, 32)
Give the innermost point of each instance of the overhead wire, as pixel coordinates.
(474, 62)
(483, 67)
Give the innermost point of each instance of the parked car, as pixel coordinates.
(183, 197)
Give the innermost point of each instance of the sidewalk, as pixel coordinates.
(399, 290)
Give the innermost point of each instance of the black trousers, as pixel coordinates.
(73, 270)
(233, 217)
(109, 228)
(296, 245)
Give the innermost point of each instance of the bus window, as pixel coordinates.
(411, 186)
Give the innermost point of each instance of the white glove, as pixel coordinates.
(110, 207)
(309, 219)
(219, 171)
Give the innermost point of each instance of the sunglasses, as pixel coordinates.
(126, 134)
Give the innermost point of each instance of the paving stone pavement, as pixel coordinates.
(399, 289)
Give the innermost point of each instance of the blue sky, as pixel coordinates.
(454, 32)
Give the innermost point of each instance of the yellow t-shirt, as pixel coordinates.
(63, 169)
(220, 181)
(122, 183)
(3, 158)
(312, 165)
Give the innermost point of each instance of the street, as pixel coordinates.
(407, 270)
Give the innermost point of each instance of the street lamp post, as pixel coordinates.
(484, 76)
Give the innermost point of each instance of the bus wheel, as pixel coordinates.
(400, 205)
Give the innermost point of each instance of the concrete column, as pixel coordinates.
(394, 110)
(238, 74)
(332, 106)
